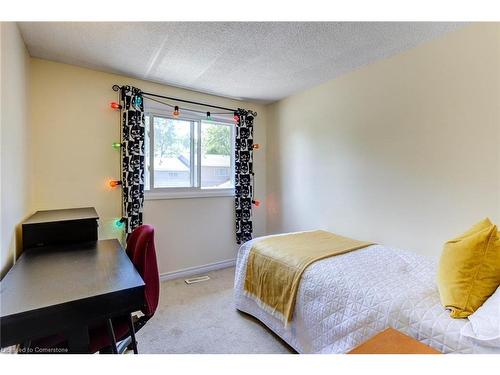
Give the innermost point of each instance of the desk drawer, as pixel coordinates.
(61, 232)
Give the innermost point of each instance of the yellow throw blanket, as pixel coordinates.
(276, 264)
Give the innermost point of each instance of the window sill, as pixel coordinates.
(206, 193)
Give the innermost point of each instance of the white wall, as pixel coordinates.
(73, 159)
(15, 142)
(404, 151)
(196, 231)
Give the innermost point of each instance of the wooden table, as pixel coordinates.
(392, 341)
(66, 289)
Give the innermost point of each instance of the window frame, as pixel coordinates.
(195, 191)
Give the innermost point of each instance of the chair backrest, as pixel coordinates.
(141, 250)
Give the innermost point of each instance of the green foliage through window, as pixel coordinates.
(172, 137)
(216, 139)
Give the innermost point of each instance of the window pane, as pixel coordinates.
(172, 152)
(216, 153)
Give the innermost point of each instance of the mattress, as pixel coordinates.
(344, 300)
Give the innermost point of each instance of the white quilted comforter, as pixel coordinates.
(346, 299)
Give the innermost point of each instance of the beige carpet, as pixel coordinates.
(201, 318)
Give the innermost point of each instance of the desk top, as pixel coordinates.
(59, 274)
(66, 214)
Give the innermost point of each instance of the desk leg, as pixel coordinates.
(111, 334)
(78, 340)
(131, 329)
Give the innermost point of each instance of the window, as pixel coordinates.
(221, 172)
(188, 157)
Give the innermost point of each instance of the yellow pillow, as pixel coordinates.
(469, 269)
(483, 224)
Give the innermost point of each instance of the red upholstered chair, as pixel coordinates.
(141, 250)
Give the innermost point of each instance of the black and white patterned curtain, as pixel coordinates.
(132, 156)
(244, 176)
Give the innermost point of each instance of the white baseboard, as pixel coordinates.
(193, 271)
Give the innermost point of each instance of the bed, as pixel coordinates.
(344, 300)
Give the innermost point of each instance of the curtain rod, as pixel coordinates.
(116, 88)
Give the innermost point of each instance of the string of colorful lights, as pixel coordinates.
(120, 223)
(177, 110)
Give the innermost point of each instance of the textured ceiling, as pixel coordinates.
(255, 61)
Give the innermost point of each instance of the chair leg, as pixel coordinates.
(112, 337)
(132, 333)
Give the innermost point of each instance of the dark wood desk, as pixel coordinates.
(65, 289)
